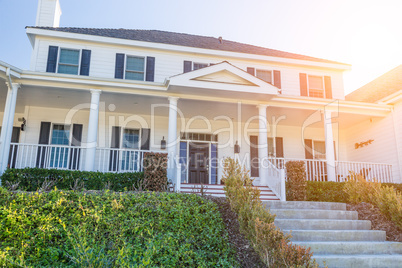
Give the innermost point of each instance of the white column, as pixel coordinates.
(329, 146)
(92, 136)
(263, 144)
(172, 138)
(8, 122)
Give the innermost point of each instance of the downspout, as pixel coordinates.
(398, 148)
(9, 76)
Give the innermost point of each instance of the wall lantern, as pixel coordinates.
(163, 143)
(237, 148)
(24, 122)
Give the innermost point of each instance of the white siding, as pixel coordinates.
(171, 63)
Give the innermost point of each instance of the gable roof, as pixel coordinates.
(181, 39)
(379, 88)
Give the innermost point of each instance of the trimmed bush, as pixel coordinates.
(323, 191)
(155, 172)
(386, 198)
(33, 179)
(257, 224)
(296, 176)
(78, 229)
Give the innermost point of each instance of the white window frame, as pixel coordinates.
(79, 59)
(308, 85)
(265, 70)
(122, 137)
(315, 152)
(207, 65)
(125, 66)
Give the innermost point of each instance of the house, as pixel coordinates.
(97, 99)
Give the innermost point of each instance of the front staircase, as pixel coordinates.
(217, 190)
(336, 236)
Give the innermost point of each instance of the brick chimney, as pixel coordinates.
(48, 14)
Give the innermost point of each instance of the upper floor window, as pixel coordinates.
(135, 68)
(264, 75)
(197, 65)
(69, 61)
(316, 86)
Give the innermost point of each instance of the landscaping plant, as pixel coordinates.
(257, 224)
(297, 183)
(109, 229)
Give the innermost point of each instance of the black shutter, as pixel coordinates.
(277, 79)
(187, 67)
(44, 136)
(52, 59)
(15, 138)
(75, 155)
(114, 154)
(254, 161)
(145, 138)
(279, 147)
(85, 62)
(308, 149)
(119, 70)
(303, 84)
(251, 70)
(328, 87)
(150, 74)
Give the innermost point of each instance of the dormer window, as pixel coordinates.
(316, 86)
(135, 68)
(69, 61)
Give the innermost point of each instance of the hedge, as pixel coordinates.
(33, 179)
(330, 191)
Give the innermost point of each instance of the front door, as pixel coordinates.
(199, 162)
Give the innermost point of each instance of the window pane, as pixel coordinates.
(67, 69)
(319, 149)
(69, 56)
(271, 147)
(199, 65)
(131, 138)
(135, 64)
(264, 75)
(315, 82)
(60, 135)
(135, 76)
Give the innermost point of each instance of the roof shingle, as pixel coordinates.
(188, 40)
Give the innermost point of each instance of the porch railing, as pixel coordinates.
(73, 158)
(46, 156)
(276, 181)
(316, 170)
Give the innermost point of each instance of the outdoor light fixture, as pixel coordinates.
(163, 143)
(24, 122)
(237, 148)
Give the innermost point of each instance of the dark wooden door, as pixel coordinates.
(199, 163)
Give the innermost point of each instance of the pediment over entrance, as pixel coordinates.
(220, 78)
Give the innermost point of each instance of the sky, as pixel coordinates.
(364, 33)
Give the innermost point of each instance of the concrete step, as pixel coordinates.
(336, 235)
(347, 248)
(364, 261)
(314, 214)
(305, 205)
(322, 224)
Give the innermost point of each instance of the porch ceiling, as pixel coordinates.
(139, 104)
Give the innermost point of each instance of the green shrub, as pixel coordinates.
(386, 198)
(257, 223)
(155, 172)
(296, 176)
(323, 191)
(33, 179)
(78, 229)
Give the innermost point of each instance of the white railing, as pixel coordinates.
(73, 158)
(370, 171)
(276, 181)
(316, 170)
(45, 156)
(120, 160)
